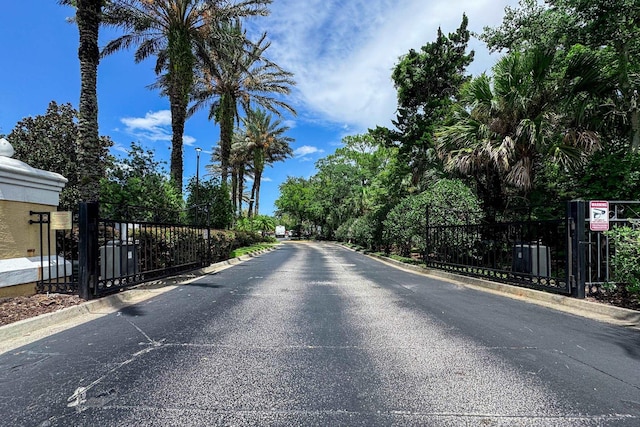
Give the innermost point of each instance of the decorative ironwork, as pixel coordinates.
(112, 247)
(526, 253)
(58, 253)
(599, 248)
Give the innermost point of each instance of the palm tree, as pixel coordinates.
(171, 30)
(264, 223)
(240, 162)
(267, 144)
(524, 115)
(90, 151)
(237, 72)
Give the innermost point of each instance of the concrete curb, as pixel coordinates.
(583, 308)
(26, 331)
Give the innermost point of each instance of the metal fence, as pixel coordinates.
(528, 253)
(107, 248)
(599, 248)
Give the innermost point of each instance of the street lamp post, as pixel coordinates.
(198, 150)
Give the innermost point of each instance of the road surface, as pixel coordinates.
(313, 334)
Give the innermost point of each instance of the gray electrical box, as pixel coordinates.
(118, 260)
(531, 259)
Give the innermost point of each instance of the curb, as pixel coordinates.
(25, 331)
(588, 309)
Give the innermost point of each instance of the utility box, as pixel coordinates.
(118, 259)
(531, 259)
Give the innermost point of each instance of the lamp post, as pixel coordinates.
(198, 150)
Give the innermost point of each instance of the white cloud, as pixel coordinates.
(154, 126)
(305, 150)
(342, 52)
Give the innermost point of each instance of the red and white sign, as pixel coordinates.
(598, 215)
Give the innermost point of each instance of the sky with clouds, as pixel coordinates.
(342, 53)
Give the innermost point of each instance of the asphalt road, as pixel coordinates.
(317, 335)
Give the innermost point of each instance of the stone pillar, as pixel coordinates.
(22, 189)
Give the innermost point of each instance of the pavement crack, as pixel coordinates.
(79, 399)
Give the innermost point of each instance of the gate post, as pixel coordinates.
(576, 264)
(87, 249)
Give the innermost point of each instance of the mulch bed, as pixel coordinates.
(19, 308)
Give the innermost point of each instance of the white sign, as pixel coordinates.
(598, 215)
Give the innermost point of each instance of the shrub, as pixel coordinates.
(626, 257)
(450, 202)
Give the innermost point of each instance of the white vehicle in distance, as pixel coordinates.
(280, 231)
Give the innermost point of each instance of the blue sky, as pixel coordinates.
(341, 52)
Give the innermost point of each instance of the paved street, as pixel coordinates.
(313, 334)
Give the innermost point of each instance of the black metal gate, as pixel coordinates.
(98, 253)
(595, 249)
(58, 254)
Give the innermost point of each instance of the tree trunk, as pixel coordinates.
(178, 118)
(240, 189)
(225, 119)
(234, 188)
(88, 16)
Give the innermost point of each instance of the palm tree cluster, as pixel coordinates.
(203, 58)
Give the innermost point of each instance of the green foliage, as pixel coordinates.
(626, 268)
(427, 82)
(449, 202)
(48, 142)
(208, 204)
(611, 174)
(139, 180)
(296, 200)
(163, 247)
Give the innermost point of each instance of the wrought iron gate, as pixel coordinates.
(596, 248)
(96, 254)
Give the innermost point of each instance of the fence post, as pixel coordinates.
(425, 255)
(87, 249)
(576, 256)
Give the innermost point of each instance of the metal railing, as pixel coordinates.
(527, 253)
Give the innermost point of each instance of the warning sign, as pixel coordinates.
(598, 215)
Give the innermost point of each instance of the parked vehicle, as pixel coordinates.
(280, 231)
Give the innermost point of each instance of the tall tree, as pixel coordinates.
(48, 142)
(235, 73)
(427, 82)
(171, 30)
(88, 18)
(267, 144)
(611, 29)
(523, 114)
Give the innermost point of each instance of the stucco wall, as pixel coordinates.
(18, 238)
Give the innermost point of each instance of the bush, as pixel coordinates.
(626, 257)
(450, 202)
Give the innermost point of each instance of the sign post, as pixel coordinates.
(598, 215)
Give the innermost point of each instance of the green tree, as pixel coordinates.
(267, 143)
(235, 73)
(295, 200)
(172, 30)
(508, 125)
(610, 29)
(48, 142)
(264, 224)
(360, 179)
(139, 181)
(427, 82)
(213, 207)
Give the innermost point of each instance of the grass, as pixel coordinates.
(251, 249)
